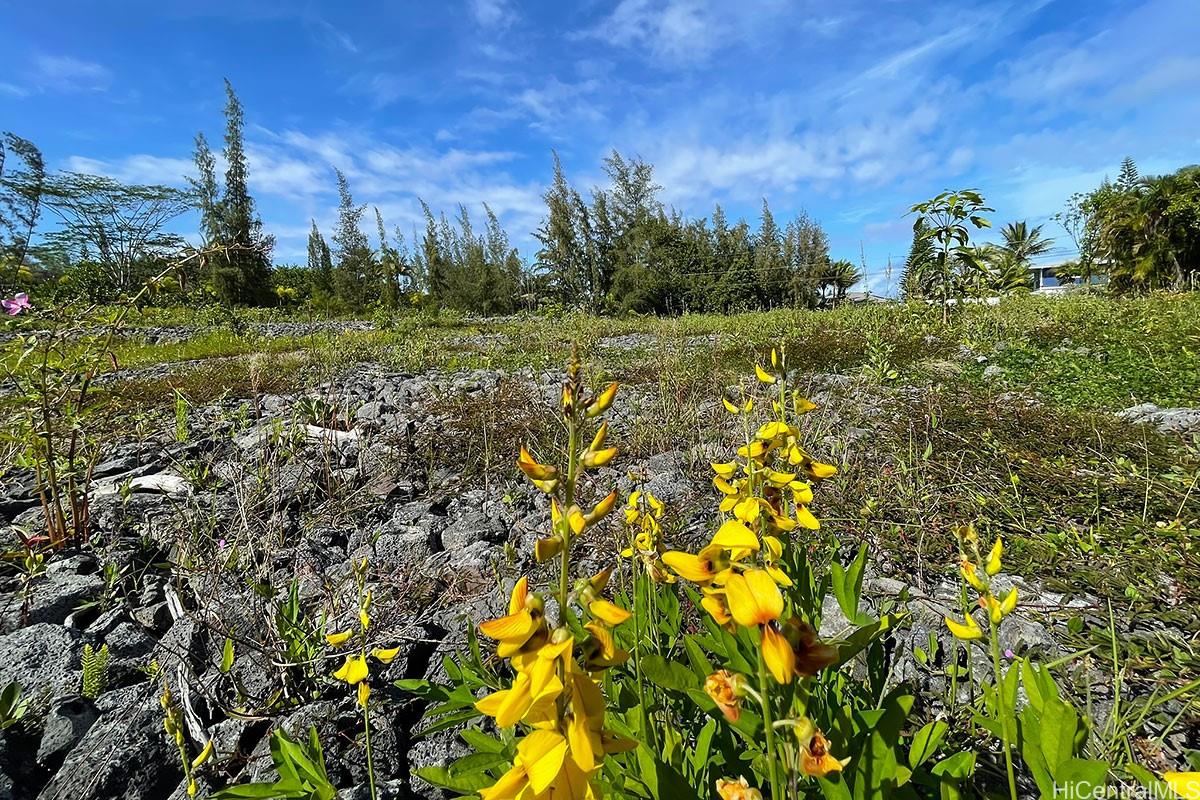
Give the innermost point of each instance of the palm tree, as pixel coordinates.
(1025, 243)
(841, 275)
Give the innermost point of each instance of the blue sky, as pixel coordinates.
(851, 110)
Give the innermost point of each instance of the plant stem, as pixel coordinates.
(564, 584)
(1002, 707)
(769, 724)
(370, 759)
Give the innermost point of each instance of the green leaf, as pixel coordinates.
(925, 743)
(480, 741)
(227, 656)
(864, 636)
(669, 674)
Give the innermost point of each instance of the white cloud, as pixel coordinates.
(494, 15)
(141, 169)
(328, 35)
(12, 90)
(68, 74)
(675, 31)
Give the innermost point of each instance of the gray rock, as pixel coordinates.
(993, 372)
(472, 527)
(156, 618)
(67, 721)
(41, 658)
(53, 597)
(124, 754)
(1168, 420)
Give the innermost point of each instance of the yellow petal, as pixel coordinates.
(965, 632)
(353, 671)
(806, 519)
(205, 755)
(993, 559)
(364, 618)
(602, 401)
(778, 575)
(819, 470)
(514, 627)
(778, 655)
(763, 375)
(542, 752)
(598, 458)
(385, 656)
(508, 787)
(688, 566)
(546, 549)
(519, 595)
(730, 407)
(733, 535)
(335, 639)
(753, 597)
(725, 470)
(1184, 784)
(601, 435)
(364, 693)
(1010, 602)
(967, 569)
(747, 509)
(609, 612)
(603, 508)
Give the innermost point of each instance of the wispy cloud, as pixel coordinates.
(68, 74)
(674, 31)
(328, 35)
(493, 15)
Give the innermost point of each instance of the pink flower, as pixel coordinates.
(1010, 655)
(14, 306)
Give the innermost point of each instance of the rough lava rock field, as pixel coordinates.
(205, 523)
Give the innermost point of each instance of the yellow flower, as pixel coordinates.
(600, 650)
(754, 600)
(815, 759)
(523, 624)
(1184, 784)
(334, 639)
(534, 470)
(1009, 604)
(536, 687)
(609, 612)
(732, 542)
(205, 755)
(726, 689)
(993, 559)
(966, 630)
(541, 764)
(602, 401)
(725, 470)
(971, 574)
(763, 375)
(353, 671)
(385, 656)
(737, 790)
(772, 553)
(364, 693)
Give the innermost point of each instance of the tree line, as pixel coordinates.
(615, 248)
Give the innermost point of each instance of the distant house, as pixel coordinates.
(1045, 281)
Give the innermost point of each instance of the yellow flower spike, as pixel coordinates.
(602, 401)
(334, 639)
(778, 654)
(730, 407)
(205, 755)
(1009, 604)
(966, 630)
(993, 559)
(601, 435)
(364, 693)
(609, 612)
(815, 759)
(763, 375)
(598, 458)
(753, 597)
(971, 575)
(728, 789)
(385, 656)
(353, 671)
(733, 535)
(546, 549)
